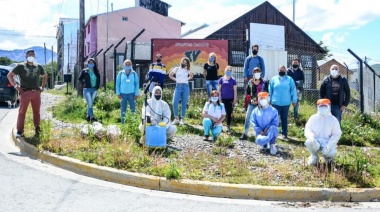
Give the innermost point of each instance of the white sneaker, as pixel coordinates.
(273, 149)
(313, 161)
(182, 122)
(175, 122)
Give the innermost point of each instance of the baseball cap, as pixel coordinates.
(29, 50)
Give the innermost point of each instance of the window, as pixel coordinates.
(88, 29)
(124, 18)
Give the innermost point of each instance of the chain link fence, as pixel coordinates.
(314, 70)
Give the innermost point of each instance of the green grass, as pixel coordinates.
(355, 166)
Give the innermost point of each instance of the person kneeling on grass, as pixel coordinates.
(265, 121)
(322, 132)
(158, 111)
(214, 114)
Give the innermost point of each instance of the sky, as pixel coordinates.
(340, 24)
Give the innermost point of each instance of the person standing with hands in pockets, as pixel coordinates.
(29, 89)
(182, 88)
(127, 89)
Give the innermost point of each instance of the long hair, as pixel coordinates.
(187, 62)
(96, 70)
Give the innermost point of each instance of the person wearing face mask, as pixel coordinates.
(336, 88)
(210, 73)
(282, 91)
(158, 111)
(227, 90)
(255, 86)
(127, 88)
(322, 132)
(213, 115)
(265, 120)
(182, 88)
(90, 79)
(29, 90)
(157, 70)
(298, 76)
(251, 62)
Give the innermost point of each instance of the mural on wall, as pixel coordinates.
(172, 50)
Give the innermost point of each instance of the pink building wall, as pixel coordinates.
(127, 23)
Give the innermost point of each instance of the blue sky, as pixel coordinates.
(340, 24)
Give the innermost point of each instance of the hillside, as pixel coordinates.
(19, 54)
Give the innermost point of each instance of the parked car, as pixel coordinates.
(7, 92)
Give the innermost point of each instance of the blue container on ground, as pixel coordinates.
(156, 136)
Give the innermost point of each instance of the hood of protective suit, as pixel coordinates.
(154, 91)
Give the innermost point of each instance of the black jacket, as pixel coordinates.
(344, 90)
(84, 78)
(251, 89)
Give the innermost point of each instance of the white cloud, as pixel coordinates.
(327, 38)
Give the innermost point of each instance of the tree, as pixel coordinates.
(48, 69)
(5, 61)
(325, 55)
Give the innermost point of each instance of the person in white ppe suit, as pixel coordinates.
(158, 111)
(322, 132)
(265, 121)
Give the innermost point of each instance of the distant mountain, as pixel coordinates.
(19, 54)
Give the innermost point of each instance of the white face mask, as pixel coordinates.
(30, 59)
(257, 75)
(214, 99)
(323, 110)
(334, 73)
(263, 102)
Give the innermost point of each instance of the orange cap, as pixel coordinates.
(323, 102)
(263, 94)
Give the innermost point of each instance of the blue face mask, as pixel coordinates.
(228, 73)
(127, 67)
(91, 65)
(212, 59)
(214, 99)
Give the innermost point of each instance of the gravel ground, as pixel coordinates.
(246, 150)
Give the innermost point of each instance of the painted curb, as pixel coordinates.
(203, 188)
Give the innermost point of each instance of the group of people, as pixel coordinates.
(267, 102)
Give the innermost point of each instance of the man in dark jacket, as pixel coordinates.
(335, 88)
(298, 76)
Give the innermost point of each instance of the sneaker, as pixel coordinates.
(94, 119)
(243, 137)
(214, 139)
(182, 122)
(228, 129)
(284, 137)
(19, 134)
(175, 122)
(273, 149)
(313, 161)
(206, 138)
(88, 118)
(329, 160)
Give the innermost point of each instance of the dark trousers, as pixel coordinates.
(335, 111)
(229, 109)
(283, 112)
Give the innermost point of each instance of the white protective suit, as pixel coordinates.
(322, 133)
(159, 111)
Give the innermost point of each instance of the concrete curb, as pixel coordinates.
(203, 188)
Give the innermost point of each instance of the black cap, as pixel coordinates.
(29, 50)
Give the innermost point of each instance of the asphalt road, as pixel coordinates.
(30, 185)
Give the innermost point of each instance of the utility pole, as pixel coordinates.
(81, 42)
(68, 58)
(294, 11)
(52, 68)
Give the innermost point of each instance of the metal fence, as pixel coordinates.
(314, 71)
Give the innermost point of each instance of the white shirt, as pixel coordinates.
(215, 110)
(181, 75)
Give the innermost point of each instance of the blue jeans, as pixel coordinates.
(89, 94)
(125, 99)
(247, 121)
(181, 92)
(283, 113)
(215, 131)
(210, 84)
(335, 111)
